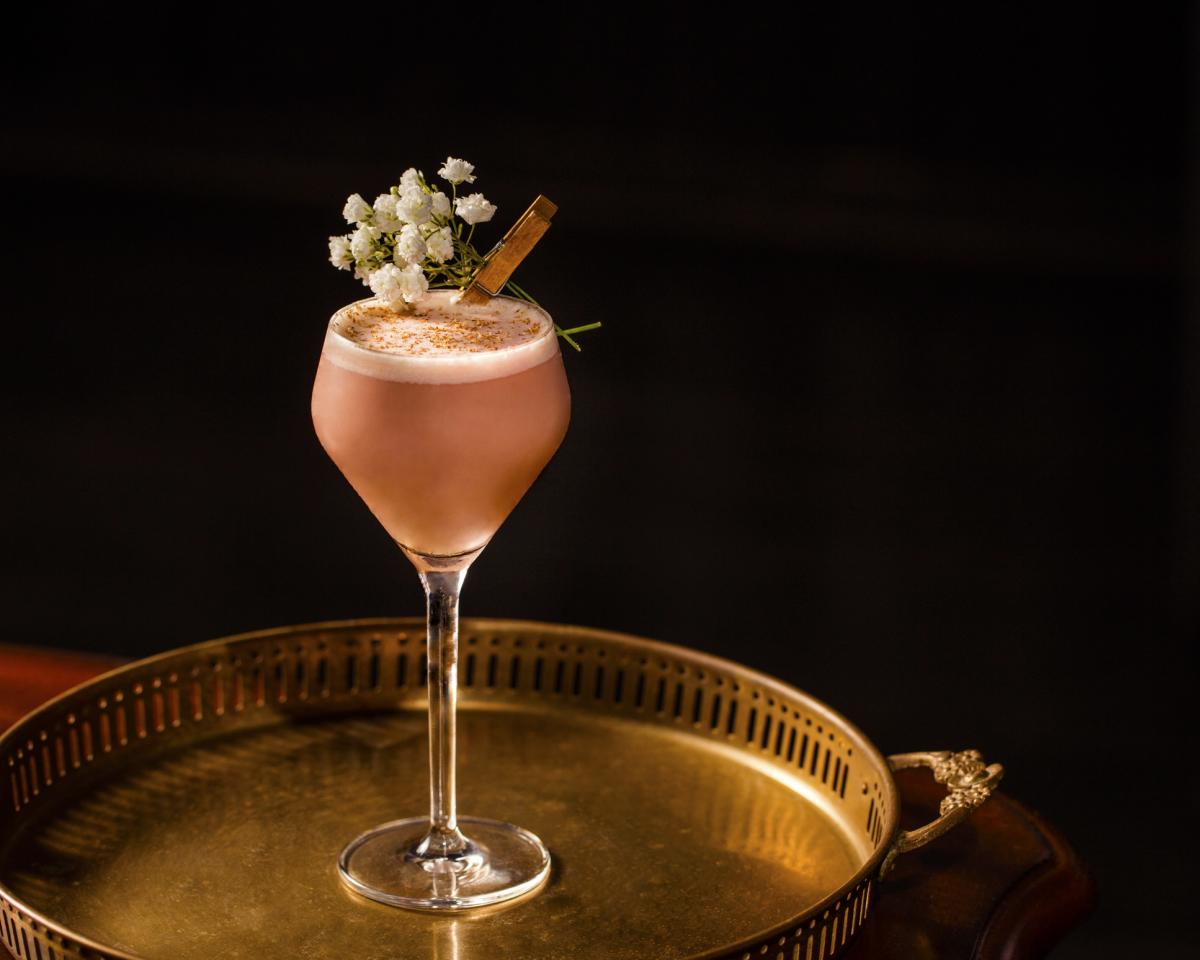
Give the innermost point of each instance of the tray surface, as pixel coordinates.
(226, 845)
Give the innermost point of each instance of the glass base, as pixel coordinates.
(501, 862)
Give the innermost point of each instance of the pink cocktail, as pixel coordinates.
(441, 419)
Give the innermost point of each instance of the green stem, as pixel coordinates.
(559, 331)
(584, 328)
(524, 295)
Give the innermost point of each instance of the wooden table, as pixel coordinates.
(1005, 886)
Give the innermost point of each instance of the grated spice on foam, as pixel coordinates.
(435, 330)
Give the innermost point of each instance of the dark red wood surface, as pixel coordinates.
(30, 676)
(1004, 886)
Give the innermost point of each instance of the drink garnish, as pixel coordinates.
(502, 260)
(415, 238)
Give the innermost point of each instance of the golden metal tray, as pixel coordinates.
(194, 804)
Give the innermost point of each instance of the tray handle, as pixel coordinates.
(969, 783)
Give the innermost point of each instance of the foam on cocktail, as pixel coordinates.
(441, 341)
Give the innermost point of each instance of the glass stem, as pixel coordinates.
(441, 592)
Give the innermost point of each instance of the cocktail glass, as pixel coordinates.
(441, 448)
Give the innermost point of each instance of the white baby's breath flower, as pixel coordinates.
(413, 283)
(440, 204)
(364, 241)
(457, 171)
(339, 253)
(363, 272)
(385, 213)
(439, 245)
(410, 178)
(413, 205)
(474, 208)
(386, 283)
(396, 286)
(410, 247)
(356, 210)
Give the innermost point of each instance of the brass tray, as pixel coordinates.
(194, 804)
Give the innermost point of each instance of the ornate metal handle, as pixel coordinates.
(969, 783)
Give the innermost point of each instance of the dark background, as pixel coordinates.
(896, 395)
